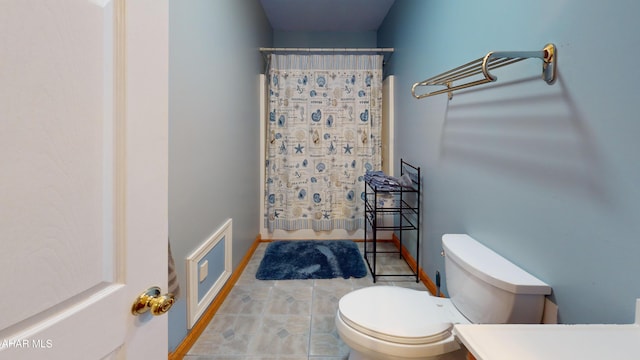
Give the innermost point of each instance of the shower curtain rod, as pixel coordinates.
(346, 50)
(386, 52)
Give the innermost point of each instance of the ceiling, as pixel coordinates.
(326, 15)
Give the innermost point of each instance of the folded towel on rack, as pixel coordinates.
(405, 180)
(380, 181)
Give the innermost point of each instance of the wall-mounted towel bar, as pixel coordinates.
(492, 60)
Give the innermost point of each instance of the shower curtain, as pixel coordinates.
(323, 134)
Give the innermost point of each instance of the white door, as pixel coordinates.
(83, 177)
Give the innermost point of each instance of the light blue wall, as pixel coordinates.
(548, 176)
(214, 135)
(322, 39)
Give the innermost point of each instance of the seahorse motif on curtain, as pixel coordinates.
(323, 134)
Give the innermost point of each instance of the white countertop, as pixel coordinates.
(550, 342)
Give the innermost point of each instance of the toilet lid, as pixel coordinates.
(395, 314)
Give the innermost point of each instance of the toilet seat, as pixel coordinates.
(398, 315)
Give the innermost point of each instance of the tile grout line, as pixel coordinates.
(313, 299)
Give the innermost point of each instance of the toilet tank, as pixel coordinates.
(487, 288)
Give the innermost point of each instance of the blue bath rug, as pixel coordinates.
(315, 259)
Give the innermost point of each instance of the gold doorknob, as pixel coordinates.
(151, 300)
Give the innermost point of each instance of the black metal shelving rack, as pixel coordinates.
(406, 212)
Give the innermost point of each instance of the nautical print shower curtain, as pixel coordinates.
(323, 134)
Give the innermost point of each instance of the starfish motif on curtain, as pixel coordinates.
(299, 149)
(347, 149)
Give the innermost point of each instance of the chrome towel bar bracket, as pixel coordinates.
(483, 65)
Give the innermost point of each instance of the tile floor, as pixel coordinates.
(289, 319)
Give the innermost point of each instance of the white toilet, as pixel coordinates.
(388, 322)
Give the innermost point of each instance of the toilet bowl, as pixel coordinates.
(388, 322)
(394, 323)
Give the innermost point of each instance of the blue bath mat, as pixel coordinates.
(316, 259)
